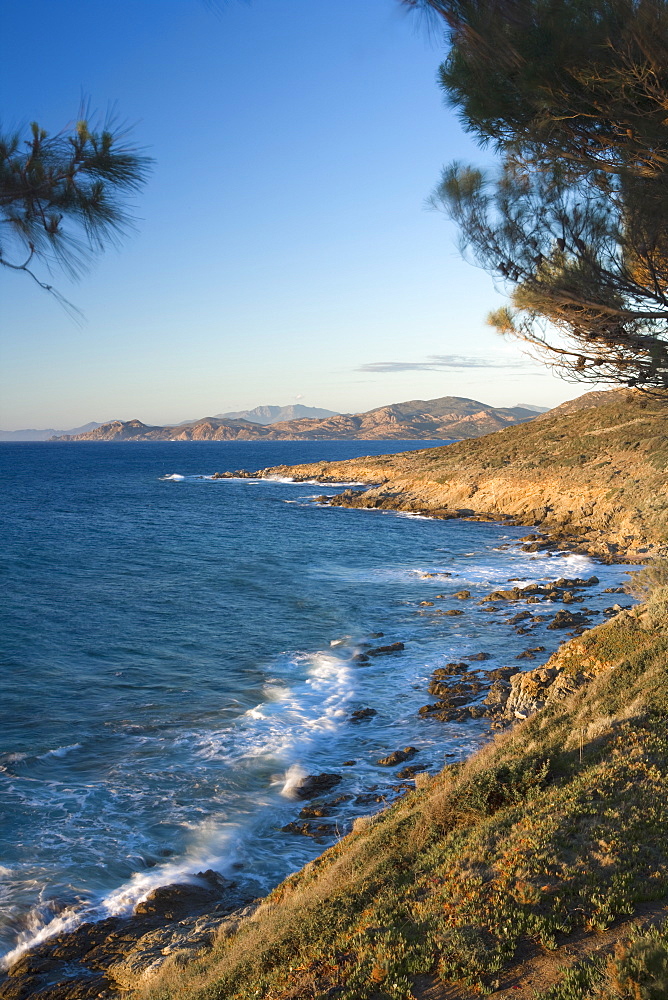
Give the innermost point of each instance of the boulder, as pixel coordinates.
(397, 757)
(316, 784)
(179, 900)
(568, 619)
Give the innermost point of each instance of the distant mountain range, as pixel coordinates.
(275, 414)
(47, 434)
(446, 418)
(260, 415)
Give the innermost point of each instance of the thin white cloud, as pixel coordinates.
(440, 362)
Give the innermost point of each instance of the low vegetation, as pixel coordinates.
(638, 969)
(556, 830)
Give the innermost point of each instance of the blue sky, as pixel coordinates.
(283, 249)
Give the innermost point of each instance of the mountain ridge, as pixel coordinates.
(444, 418)
(268, 414)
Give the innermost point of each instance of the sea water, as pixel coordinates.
(178, 652)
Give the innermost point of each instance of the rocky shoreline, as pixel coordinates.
(104, 959)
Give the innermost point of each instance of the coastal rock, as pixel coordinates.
(397, 757)
(412, 770)
(394, 647)
(95, 959)
(498, 694)
(455, 693)
(528, 692)
(143, 958)
(568, 619)
(368, 798)
(337, 800)
(530, 654)
(316, 830)
(501, 673)
(179, 900)
(316, 784)
(462, 595)
(363, 713)
(94, 987)
(559, 590)
(315, 812)
(450, 670)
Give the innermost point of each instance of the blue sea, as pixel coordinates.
(177, 652)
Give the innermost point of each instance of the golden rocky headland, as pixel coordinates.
(593, 474)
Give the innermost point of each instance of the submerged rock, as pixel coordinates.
(363, 713)
(394, 647)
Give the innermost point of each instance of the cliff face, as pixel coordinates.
(596, 477)
(448, 418)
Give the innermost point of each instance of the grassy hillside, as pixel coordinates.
(597, 478)
(542, 847)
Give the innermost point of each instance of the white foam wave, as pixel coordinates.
(294, 777)
(309, 482)
(212, 846)
(38, 930)
(59, 751)
(175, 477)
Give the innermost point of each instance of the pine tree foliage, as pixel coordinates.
(63, 196)
(587, 269)
(574, 96)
